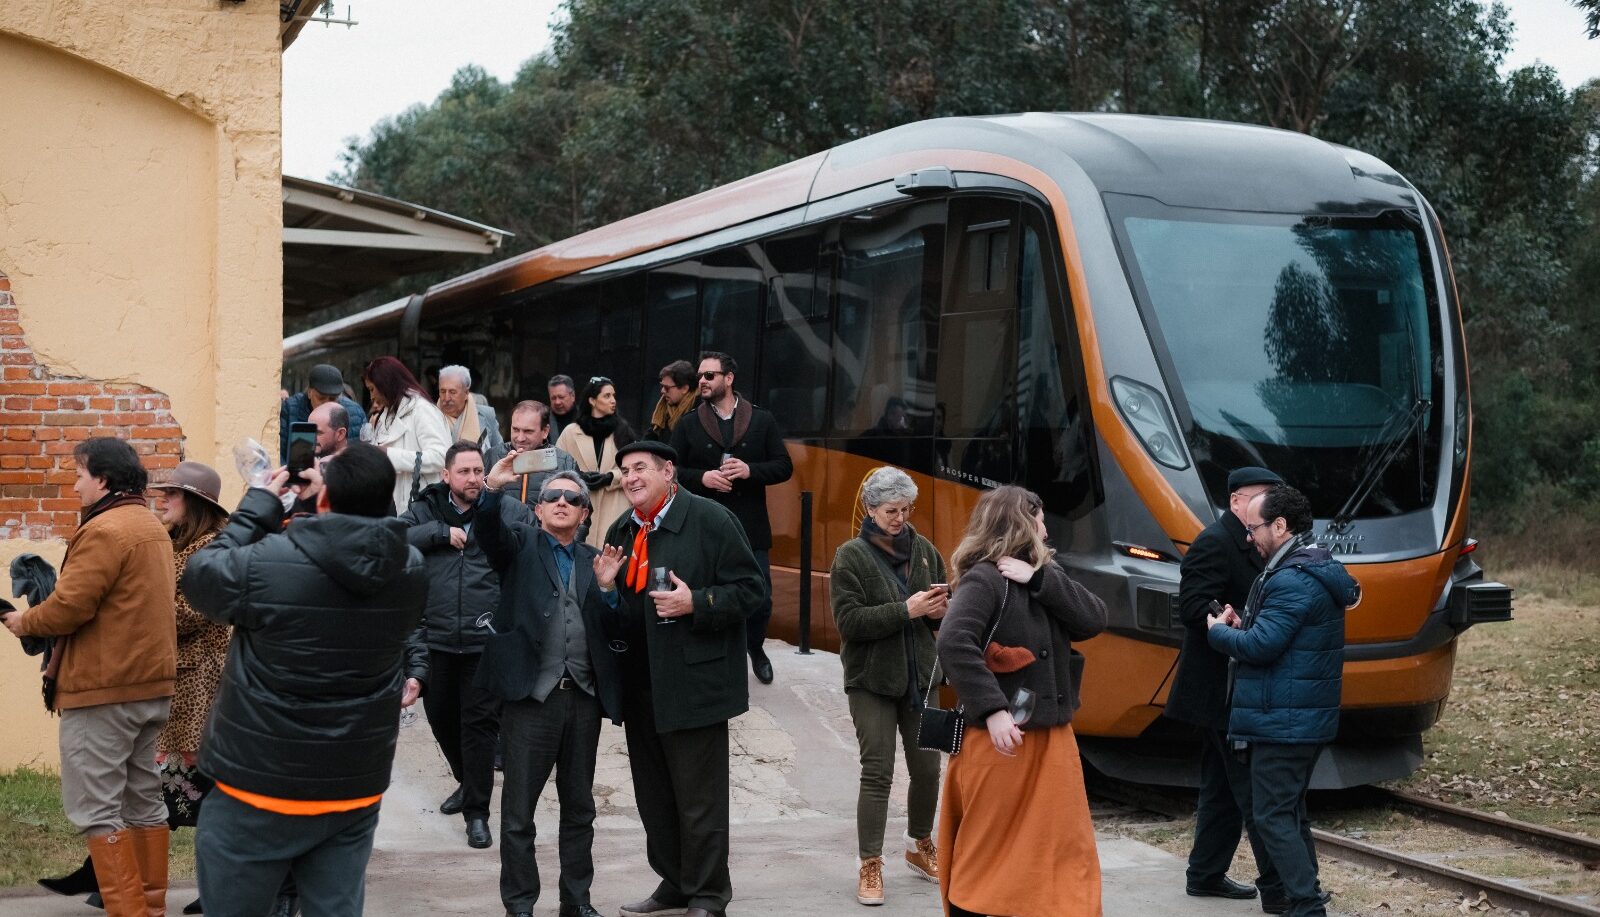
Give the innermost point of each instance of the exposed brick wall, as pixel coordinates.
(44, 414)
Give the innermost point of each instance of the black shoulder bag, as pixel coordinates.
(943, 730)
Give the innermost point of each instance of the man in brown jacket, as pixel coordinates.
(114, 662)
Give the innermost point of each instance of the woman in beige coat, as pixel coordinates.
(593, 442)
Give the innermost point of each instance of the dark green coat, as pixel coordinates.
(695, 665)
(873, 620)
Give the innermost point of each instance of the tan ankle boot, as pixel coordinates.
(116, 868)
(922, 857)
(151, 846)
(869, 890)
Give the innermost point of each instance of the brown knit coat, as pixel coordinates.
(202, 649)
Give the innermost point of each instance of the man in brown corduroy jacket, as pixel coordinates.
(114, 663)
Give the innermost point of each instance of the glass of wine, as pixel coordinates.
(661, 581)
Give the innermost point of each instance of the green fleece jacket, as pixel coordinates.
(874, 624)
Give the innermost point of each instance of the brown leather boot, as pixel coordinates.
(869, 887)
(151, 844)
(116, 868)
(922, 857)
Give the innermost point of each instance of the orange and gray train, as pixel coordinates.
(1111, 310)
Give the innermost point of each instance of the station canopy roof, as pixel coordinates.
(339, 242)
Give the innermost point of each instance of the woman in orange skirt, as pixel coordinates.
(1015, 838)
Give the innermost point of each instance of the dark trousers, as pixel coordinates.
(562, 733)
(464, 719)
(755, 626)
(1222, 813)
(243, 853)
(1279, 778)
(680, 783)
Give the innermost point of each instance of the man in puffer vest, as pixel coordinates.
(1288, 660)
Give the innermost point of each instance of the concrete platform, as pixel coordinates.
(794, 788)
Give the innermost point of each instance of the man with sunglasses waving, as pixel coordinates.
(551, 663)
(730, 451)
(443, 524)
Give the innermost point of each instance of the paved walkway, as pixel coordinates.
(793, 807)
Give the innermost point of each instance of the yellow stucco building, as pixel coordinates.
(140, 259)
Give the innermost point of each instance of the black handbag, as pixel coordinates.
(943, 730)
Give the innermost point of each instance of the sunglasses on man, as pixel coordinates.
(711, 374)
(572, 497)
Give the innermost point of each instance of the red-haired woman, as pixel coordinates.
(406, 425)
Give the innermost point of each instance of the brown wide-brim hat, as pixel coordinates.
(199, 479)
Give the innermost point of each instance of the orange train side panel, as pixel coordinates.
(1406, 681)
(1397, 597)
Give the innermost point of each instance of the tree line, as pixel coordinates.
(640, 102)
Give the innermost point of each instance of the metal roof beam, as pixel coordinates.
(417, 224)
(423, 243)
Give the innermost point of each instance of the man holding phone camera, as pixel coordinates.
(1218, 570)
(537, 458)
(463, 586)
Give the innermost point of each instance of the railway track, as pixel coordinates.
(1502, 893)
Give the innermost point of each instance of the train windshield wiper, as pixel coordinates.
(1380, 463)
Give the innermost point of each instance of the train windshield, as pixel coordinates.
(1309, 345)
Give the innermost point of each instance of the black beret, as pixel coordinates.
(651, 446)
(1250, 474)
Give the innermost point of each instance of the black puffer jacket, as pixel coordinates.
(324, 636)
(462, 585)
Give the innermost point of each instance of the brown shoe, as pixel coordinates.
(116, 868)
(869, 890)
(150, 847)
(922, 857)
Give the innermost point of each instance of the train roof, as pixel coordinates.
(1182, 162)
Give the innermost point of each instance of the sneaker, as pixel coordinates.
(869, 890)
(922, 857)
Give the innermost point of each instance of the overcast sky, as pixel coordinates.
(338, 82)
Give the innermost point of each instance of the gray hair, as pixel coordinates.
(887, 485)
(460, 372)
(566, 476)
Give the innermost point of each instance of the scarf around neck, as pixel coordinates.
(110, 501)
(639, 559)
(896, 549)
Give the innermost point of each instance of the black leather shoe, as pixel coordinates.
(194, 907)
(762, 666)
(286, 906)
(478, 836)
(577, 910)
(519, 913)
(1222, 887)
(451, 804)
(1281, 905)
(650, 907)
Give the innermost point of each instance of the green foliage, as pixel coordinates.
(640, 102)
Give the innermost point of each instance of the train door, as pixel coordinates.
(976, 407)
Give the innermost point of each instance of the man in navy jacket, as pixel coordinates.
(1288, 652)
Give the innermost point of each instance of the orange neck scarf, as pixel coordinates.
(639, 560)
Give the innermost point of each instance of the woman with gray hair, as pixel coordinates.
(888, 595)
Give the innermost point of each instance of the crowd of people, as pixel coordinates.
(244, 673)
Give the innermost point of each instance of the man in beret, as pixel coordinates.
(1219, 567)
(688, 580)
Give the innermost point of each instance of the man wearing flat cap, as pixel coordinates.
(324, 385)
(1219, 567)
(688, 580)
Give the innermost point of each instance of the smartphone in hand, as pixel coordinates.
(535, 460)
(302, 450)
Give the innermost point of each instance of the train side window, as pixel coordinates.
(671, 325)
(977, 399)
(1055, 447)
(731, 289)
(886, 339)
(795, 343)
(579, 316)
(621, 301)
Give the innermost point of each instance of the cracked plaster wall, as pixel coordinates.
(140, 228)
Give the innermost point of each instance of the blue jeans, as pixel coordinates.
(242, 854)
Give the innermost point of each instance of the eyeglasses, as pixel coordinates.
(572, 497)
(710, 374)
(1250, 530)
(897, 510)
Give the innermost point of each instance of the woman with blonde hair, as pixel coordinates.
(1015, 836)
(888, 608)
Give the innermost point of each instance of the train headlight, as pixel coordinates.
(1462, 422)
(1146, 412)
